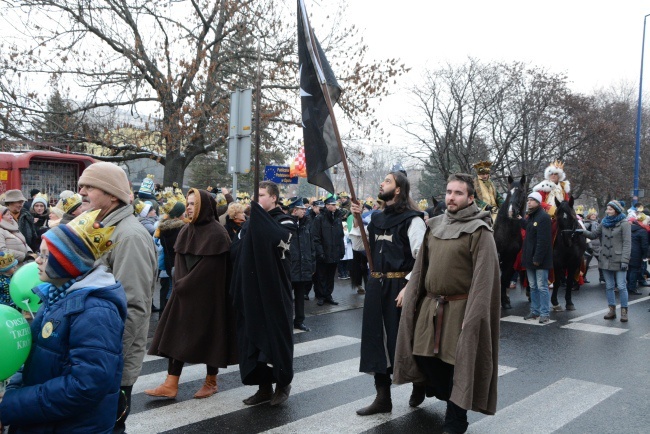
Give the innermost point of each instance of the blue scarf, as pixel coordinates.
(610, 222)
(55, 294)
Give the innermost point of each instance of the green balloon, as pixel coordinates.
(20, 287)
(15, 341)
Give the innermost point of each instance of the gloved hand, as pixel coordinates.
(489, 208)
(623, 267)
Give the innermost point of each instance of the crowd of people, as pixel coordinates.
(234, 275)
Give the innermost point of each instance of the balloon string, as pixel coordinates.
(26, 301)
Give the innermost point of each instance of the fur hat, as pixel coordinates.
(7, 261)
(482, 167)
(109, 178)
(555, 167)
(14, 196)
(536, 196)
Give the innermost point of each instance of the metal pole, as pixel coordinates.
(258, 109)
(637, 155)
(234, 185)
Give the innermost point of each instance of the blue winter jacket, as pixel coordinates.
(71, 381)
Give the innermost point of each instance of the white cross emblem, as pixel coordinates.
(285, 246)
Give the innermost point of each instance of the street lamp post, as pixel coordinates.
(637, 155)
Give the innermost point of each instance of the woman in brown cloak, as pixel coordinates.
(198, 324)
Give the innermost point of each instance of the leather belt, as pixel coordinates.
(389, 275)
(441, 300)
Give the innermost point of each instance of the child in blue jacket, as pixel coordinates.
(71, 380)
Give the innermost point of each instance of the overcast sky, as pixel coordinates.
(596, 43)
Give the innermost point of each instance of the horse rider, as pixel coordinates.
(487, 198)
(554, 186)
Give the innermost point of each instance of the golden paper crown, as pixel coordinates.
(180, 197)
(558, 164)
(167, 206)
(138, 206)
(6, 259)
(42, 196)
(344, 194)
(70, 202)
(150, 176)
(483, 166)
(93, 233)
(423, 204)
(369, 201)
(580, 209)
(286, 202)
(641, 217)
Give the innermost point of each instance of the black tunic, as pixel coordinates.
(391, 251)
(261, 291)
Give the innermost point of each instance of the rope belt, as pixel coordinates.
(389, 275)
(441, 300)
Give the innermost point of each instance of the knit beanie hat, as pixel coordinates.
(177, 210)
(74, 248)
(109, 178)
(147, 188)
(38, 199)
(617, 206)
(536, 196)
(7, 261)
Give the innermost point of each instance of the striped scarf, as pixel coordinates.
(55, 294)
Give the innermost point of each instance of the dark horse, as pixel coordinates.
(568, 250)
(507, 233)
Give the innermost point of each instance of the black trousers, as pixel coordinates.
(326, 274)
(165, 286)
(299, 291)
(358, 269)
(440, 381)
(175, 367)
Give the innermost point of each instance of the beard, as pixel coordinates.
(387, 195)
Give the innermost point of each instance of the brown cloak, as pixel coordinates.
(477, 351)
(198, 324)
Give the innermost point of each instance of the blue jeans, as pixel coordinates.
(539, 298)
(618, 279)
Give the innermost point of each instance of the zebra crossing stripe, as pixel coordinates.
(602, 311)
(547, 410)
(344, 420)
(520, 320)
(197, 372)
(191, 411)
(594, 328)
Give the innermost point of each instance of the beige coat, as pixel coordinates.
(12, 241)
(470, 337)
(133, 262)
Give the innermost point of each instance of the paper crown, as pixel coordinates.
(369, 201)
(344, 194)
(483, 166)
(93, 233)
(423, 204)
(42, 196)
(556, 167)
(286, 202)
(138, 206)
(7, 261)
(641, 217)
(580, 209)
(592, 211)
(69, 204)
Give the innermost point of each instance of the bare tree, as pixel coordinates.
(176, 59)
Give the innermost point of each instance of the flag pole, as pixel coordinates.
(344, 159)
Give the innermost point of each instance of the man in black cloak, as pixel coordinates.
(261, 292)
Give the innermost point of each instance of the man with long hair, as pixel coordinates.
(395, 235)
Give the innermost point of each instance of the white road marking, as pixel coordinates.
(547, 410)
(603, 311)
(595, 328)
(520, 320)
(197, 372)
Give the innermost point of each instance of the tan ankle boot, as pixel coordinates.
(169, 389)
(624, 314)
(611, 314)
(209, 387)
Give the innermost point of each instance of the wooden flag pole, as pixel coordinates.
(344, 158)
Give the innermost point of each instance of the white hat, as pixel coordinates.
(535, 195)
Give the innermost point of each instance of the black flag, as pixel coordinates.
(321, 146)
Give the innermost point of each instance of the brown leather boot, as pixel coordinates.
(169, 389)
(381, 404)
(417, 395)
(264, 393)
(611, 314)
(624, 314)
(209, 387)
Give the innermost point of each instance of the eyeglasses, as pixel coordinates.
(43, 256)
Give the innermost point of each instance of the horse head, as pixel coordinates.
(565, 214)
(516, 199)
